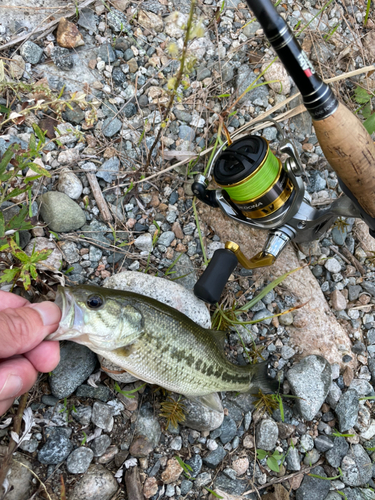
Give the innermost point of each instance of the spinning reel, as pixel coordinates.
(256, 189)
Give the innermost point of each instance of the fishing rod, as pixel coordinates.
(257, 190)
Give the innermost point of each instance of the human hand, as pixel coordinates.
(23, 350)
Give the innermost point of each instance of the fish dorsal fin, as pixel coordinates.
(219, 338)
(211, 401)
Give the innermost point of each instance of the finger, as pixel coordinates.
(24, 328)
(17, 376)
(8, 299)
(44, 357)
(5, 405)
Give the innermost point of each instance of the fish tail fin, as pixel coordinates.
(261, 380)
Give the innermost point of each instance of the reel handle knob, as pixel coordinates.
(212, 282)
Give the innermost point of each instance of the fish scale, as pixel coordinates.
(154, 342)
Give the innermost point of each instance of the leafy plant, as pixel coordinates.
(173, 410)
(363, 97)
(265, 402)
(272, 460)
(27, 268)
(336, 433)
(222, 318)
(340, 224)
(128, 394)
(327, 478)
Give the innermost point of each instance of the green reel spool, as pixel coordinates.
(253, 177)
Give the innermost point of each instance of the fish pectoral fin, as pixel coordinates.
(211, 401)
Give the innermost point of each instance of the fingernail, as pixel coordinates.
(13, 385)
(48, 311)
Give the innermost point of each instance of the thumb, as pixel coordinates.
(23, 328)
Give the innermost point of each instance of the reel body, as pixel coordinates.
(257, 190)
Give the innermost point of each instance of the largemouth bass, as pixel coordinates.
(154, 342)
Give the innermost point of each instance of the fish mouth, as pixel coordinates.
(71, 314)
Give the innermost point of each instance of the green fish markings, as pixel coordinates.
(155, 343)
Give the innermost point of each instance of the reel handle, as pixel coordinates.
(212, 282)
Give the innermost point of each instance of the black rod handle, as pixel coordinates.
(212, 282)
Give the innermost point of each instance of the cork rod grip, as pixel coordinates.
(350, 151)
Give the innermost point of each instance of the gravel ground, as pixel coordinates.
(103, 444)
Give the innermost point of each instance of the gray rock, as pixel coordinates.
(98, 482)
(337, 452)
(100, 444)
(54, 260)
(102, 416)
(30, 445)
(111, 126)
(118, 21)
(119, 77)
(82, 414)
(75, 115)
(260, 315)
(109, 170)
(76, 364)
(332, 265)
(60, 213)
(347, 410)
(251, 28)
(182, 115)
(310, 380)
(62, 58)
(70, 251)
(361, 386)
(165, 291)
(369, 287)
(185, 486)
(186, 133)
(95, 254)
(228, 430)
(166, 238)
(267, 434)
(176, 443)
(334, 395)
(130, 110)
(231, 486)
(200, 417)
(311, 457)
(203, 73)
(293, 460)
(185, 267)
(354, 291)
(339, 235)
(88, 19)
(70, 185)
(286, 351)
(356, 467)
(213, 459)
(102, 392)
(106, 53)
(286, 320)
(245, 77)
(79, 460)
(31, 52)
(313, 488)
(306, 443)
(195, 462)
(144, 242)
(148, 425)
(20, 478)
(56, 449)
(323, 443)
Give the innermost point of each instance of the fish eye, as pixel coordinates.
(94, 301)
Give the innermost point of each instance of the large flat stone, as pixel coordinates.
(318, 331)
